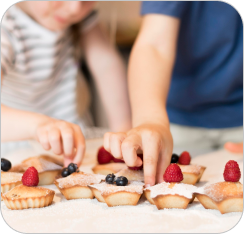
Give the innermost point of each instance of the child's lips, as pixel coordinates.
(61, 20)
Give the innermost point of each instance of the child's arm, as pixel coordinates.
(59, 136)
(109, 73)
(150, 68)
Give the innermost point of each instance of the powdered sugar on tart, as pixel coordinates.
(220, 191)
(164, 188)
(79, 178)
(196, 169)
(10, 177)
(132, 187)
(41, 164)
(131, 174)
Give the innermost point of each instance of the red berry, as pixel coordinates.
(185, 158)
(103, 156)
(173, 173)
(30, 177)
(116, 160)
(232, 171)
(138, 168)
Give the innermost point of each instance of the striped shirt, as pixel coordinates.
(40, 72)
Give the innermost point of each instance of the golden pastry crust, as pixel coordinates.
(9, 180)
(97, 194)
(75, 186)
(131, 174)
(24, 197)
(191, 173)
(223, 196)
(105, 169)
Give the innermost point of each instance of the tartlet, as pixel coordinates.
(47, 170)
(170, 195)
(75, 186)
(24, 197)
(105, 169)
(191, 173)
(223, 196)
(9, 180)
(136, 175)
(114, 195)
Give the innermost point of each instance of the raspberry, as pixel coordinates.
(232, 171)
(30, 177)
(173, 173)
(184, 158)
(103, 156)
(116, 160)
(138, 168)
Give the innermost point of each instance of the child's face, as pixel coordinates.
(57, 15)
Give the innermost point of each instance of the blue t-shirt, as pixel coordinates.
(207, 84)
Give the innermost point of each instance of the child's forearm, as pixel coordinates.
(109, 73)
(19, 125)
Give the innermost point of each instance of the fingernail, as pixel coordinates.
(147, 185)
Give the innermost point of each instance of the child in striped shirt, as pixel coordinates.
(41, 81)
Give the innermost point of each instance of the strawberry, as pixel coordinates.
(103, 156)
(185, 158)
(138, 168)
(30, 177)
(173, 173)
(232, 171)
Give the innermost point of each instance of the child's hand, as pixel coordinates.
(154, 140)
(234, 147)
(62, 138)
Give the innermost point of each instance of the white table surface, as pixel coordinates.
(86, 215)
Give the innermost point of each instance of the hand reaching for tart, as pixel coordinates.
(156, 142)
(63, 138)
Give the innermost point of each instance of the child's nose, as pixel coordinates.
(74, 7)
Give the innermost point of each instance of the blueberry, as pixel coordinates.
(110, 178)
(5, 164)
(121, 181)
(174, 158)
(72, 168)
(65, 172)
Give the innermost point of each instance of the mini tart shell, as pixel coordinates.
(226, 205)
(122, 198)
(105, 169)
(171, 201)
(76, 192)
(191, 177)
(31, 202)
(97, 194)
(48, 177)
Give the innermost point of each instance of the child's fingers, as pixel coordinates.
(67, 135)
(54, 138)
(80, 145)
(234, 147)
(43, 139)
(106, 141)
(151, 151)
(129, 147)
(116, 140)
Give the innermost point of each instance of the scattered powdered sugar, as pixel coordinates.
(222, 190)
(41, 165)
(131, 174)
(106, 189)
(80, 178)
(164, 188)
(10, 177)
(196, 169)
